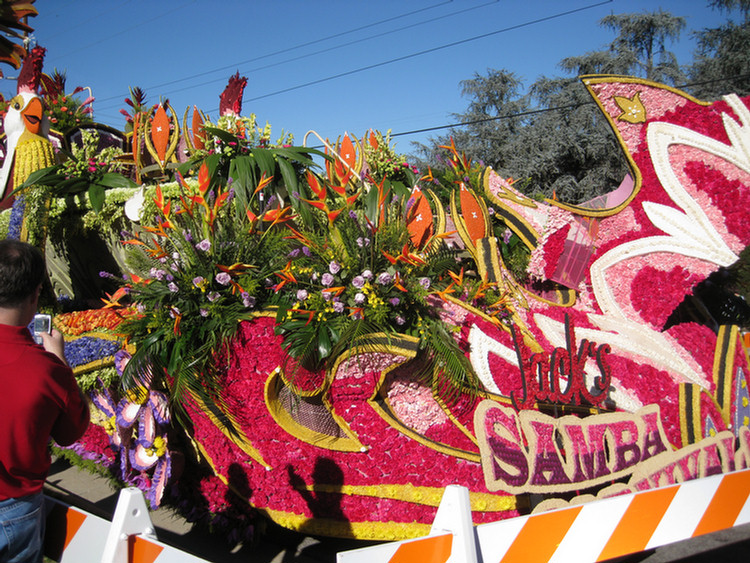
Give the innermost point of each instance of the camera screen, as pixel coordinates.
(41, 324)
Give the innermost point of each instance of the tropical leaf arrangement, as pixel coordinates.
(201, 263)
(86, 172)
(345, 260)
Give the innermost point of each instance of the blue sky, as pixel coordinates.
(331, 66)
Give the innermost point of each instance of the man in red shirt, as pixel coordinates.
(39, 400)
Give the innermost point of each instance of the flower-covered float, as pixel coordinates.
(331, 338)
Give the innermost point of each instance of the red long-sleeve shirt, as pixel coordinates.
(39, 400)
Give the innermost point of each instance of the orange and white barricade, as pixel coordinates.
(590, 532)
(75, 536)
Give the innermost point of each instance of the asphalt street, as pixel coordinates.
(278, 545)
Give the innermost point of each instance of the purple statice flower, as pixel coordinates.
(173, 312)
(294, 253)
(188, 236)
(424, 282)
(306, 251)
(358, 282)
(338, 307)
(334, 267)
(400, 320)
(506, 236)
(363, 241)
(157, 274)
(326, 295)
(395, 301)
(203, 312)
(173, 287)
(204, 245)
(490, 211)
(174, 267)
(359, 298)
(326, 279)
(301, 294)
(169, 277)
(385, 278)
(248, 300)
(213, 296)
(367, 274)
(352, 214)
(223, 278)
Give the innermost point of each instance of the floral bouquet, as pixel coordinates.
(199, 270)
(87, 170)
(370, 262)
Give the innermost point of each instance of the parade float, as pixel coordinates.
(330, 337)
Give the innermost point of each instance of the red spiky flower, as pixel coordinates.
(31, 71)
(231, 97)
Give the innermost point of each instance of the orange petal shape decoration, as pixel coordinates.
(373, 140)
(472, 214)
(160, 133)
(419, 219)
(197, 129)
(348, 154)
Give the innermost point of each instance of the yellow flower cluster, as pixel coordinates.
(32, 153)
(159, 448)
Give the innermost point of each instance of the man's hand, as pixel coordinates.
(54, 343)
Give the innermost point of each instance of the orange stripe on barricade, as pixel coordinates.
(726, 504)
(141, 550)
(433, 549)
(552, 526)
(74, 520)
(638, 523)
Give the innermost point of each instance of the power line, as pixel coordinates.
(339, 46)
(424, 52)
(111, 35)
(286, 50)
(545, 110)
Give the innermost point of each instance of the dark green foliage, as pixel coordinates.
(554, 135)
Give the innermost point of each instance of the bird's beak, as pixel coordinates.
(32, 116)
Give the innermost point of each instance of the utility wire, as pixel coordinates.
(288, 49)
(546, 110)
(131, 28)
(425, 51)
(341, 46)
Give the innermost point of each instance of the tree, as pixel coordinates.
(491, 124)
(640, 46)
(564, 146)
(722, 60)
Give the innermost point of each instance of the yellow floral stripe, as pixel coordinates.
(726, 348)
(240, 440)
(429, 496)
(383, 409)
(94, 365)
(285, 420)
(426, 496)
(385, 531)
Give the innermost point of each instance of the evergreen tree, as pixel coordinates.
(722, 60)
(564, 147)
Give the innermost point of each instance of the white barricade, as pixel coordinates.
(590, 532)
(75, 536)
